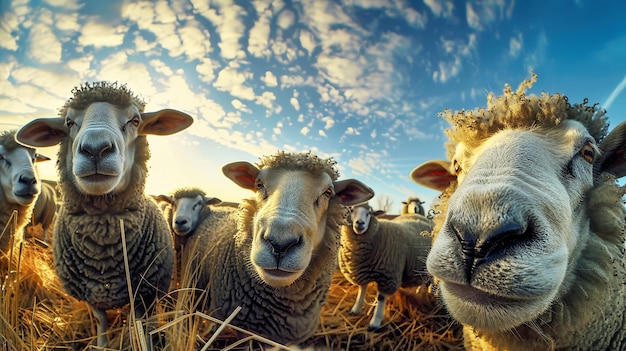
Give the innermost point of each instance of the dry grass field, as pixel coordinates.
(36, 314)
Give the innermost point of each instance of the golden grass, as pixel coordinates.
(36, 314)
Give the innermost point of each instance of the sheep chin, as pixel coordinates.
(97, 184)
(278, 278)
(483, 310)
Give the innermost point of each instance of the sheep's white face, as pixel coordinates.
(360, 218)
(289, 224)
(186, 214)
(414, 206)
(512, 224)
(18, 176)
(102, 149)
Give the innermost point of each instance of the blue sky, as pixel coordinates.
(359, 80)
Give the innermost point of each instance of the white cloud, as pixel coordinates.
(229, 26)
(269, 79)
(206, 69)
(81, 64)
(278, 129)
(322, 133)
(72, 5)
(240, 106)
(259, 38)
(161, 67)
(44, 46)
(101, 35)
(117, 67)
(294, 102)
(286, 19)
(352, 131)
(305, 130)
(307, 40)
(233, 81)
(267, 100)
(473, 19)
(329, 122)
(458, 51)
(515, 45)
(440, 8)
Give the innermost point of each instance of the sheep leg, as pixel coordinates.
(360, 299)
(101, 326)
(379, 312)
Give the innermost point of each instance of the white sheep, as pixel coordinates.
(184, 209)
(391, 253)
(102, 167)
(413, 205)
(274, 256)
(19, 186)
(529, 249)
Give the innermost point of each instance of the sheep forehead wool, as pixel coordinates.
(113, 93)
(516, 110)
(187, 192)
(308, 161)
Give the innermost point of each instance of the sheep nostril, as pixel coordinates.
(503, 236)
(279, 249)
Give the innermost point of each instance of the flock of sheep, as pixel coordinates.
(525, 247)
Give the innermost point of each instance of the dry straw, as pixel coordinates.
(36, 314)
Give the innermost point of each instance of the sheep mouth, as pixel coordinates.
(477, 296)
(279, 273)
(97, 177)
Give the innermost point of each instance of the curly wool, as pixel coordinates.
(516, 110)
(112, 93)
(308, 161)
(87, 242)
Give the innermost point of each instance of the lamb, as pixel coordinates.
(20, 186)
(274, 256)
(391, 253)
(45, 209)
(529, 248)
(413, 205)
(102, 168)
(184, 209)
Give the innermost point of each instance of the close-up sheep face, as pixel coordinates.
(527, 187)
(516, 231)
(291, 216)
(18, 176)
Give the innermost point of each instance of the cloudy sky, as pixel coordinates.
(361, 81)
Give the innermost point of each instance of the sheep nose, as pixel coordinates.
(96, 149)
(279, 249)
(27, 180)
(180, 221)
(479, 249)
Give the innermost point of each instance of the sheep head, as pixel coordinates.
(293, 193)
(99, 131)
(515, 205)
(18, 176)
(360, 217)
(186, 206)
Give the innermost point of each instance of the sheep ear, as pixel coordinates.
(433, 174)
(378, 213)
(613, 156)
(42, 132)
(352, 192)
(164, 122)
(212, 201)
(164, 198)
(242, 173)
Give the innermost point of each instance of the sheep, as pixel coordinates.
(274, 256)
(102, 169)
(391, 253)
(413, 205)
(529, 247)
(45, 209)
(20, 186)
(184, 209)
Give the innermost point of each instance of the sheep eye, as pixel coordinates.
(329, 192)
(457, 167)
(135, 121)
(587, 152)
(69, 123)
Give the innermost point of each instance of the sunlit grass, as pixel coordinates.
(36, 314)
